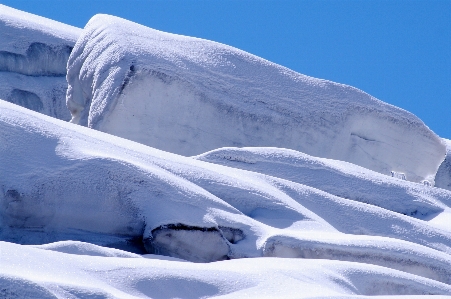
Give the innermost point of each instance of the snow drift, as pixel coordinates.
(335, 177)
(92, 214)
(33, 59)
(67, 182)
(187, 96)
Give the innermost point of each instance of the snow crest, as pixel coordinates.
(187, 96)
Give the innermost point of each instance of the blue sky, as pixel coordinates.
(397, 51)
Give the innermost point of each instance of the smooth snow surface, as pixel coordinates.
(33, 59)
(67, 182)
(187, 96)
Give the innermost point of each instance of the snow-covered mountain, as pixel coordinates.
(86, 214)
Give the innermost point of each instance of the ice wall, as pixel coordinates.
(187, 95)
(33, 59)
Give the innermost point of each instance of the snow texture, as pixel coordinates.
(187, 96)
(67, 182)
(33, 59)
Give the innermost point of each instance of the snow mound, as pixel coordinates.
(187, 96)
(82, 248)
(68, 182)
(33, 59)
(33, 273)
(339, 178)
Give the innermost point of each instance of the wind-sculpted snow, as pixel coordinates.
(66, 182)
(188, 96)
(336, 177)
(33, 59)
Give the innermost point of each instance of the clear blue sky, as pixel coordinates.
(397, 51)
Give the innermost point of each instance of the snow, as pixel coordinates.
(36, 273)
(33, 59)
(344, 207)
(188, 96)
(443, 176)
(336, 177)
(67, 182)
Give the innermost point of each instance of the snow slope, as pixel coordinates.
(67, 182)
(33, 59)
(187, 96)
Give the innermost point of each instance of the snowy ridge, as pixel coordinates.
(187, 96)
(33, 59)
(69, 182)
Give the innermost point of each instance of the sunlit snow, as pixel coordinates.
(174, 206)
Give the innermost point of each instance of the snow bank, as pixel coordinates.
(68, 182)
(33, 59)
(187, 96)
(34, 273)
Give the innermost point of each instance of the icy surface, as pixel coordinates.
(187, 96)
(33, 59)
(67, 182)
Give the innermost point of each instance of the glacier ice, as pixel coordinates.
(33, 61)
(187, 96)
